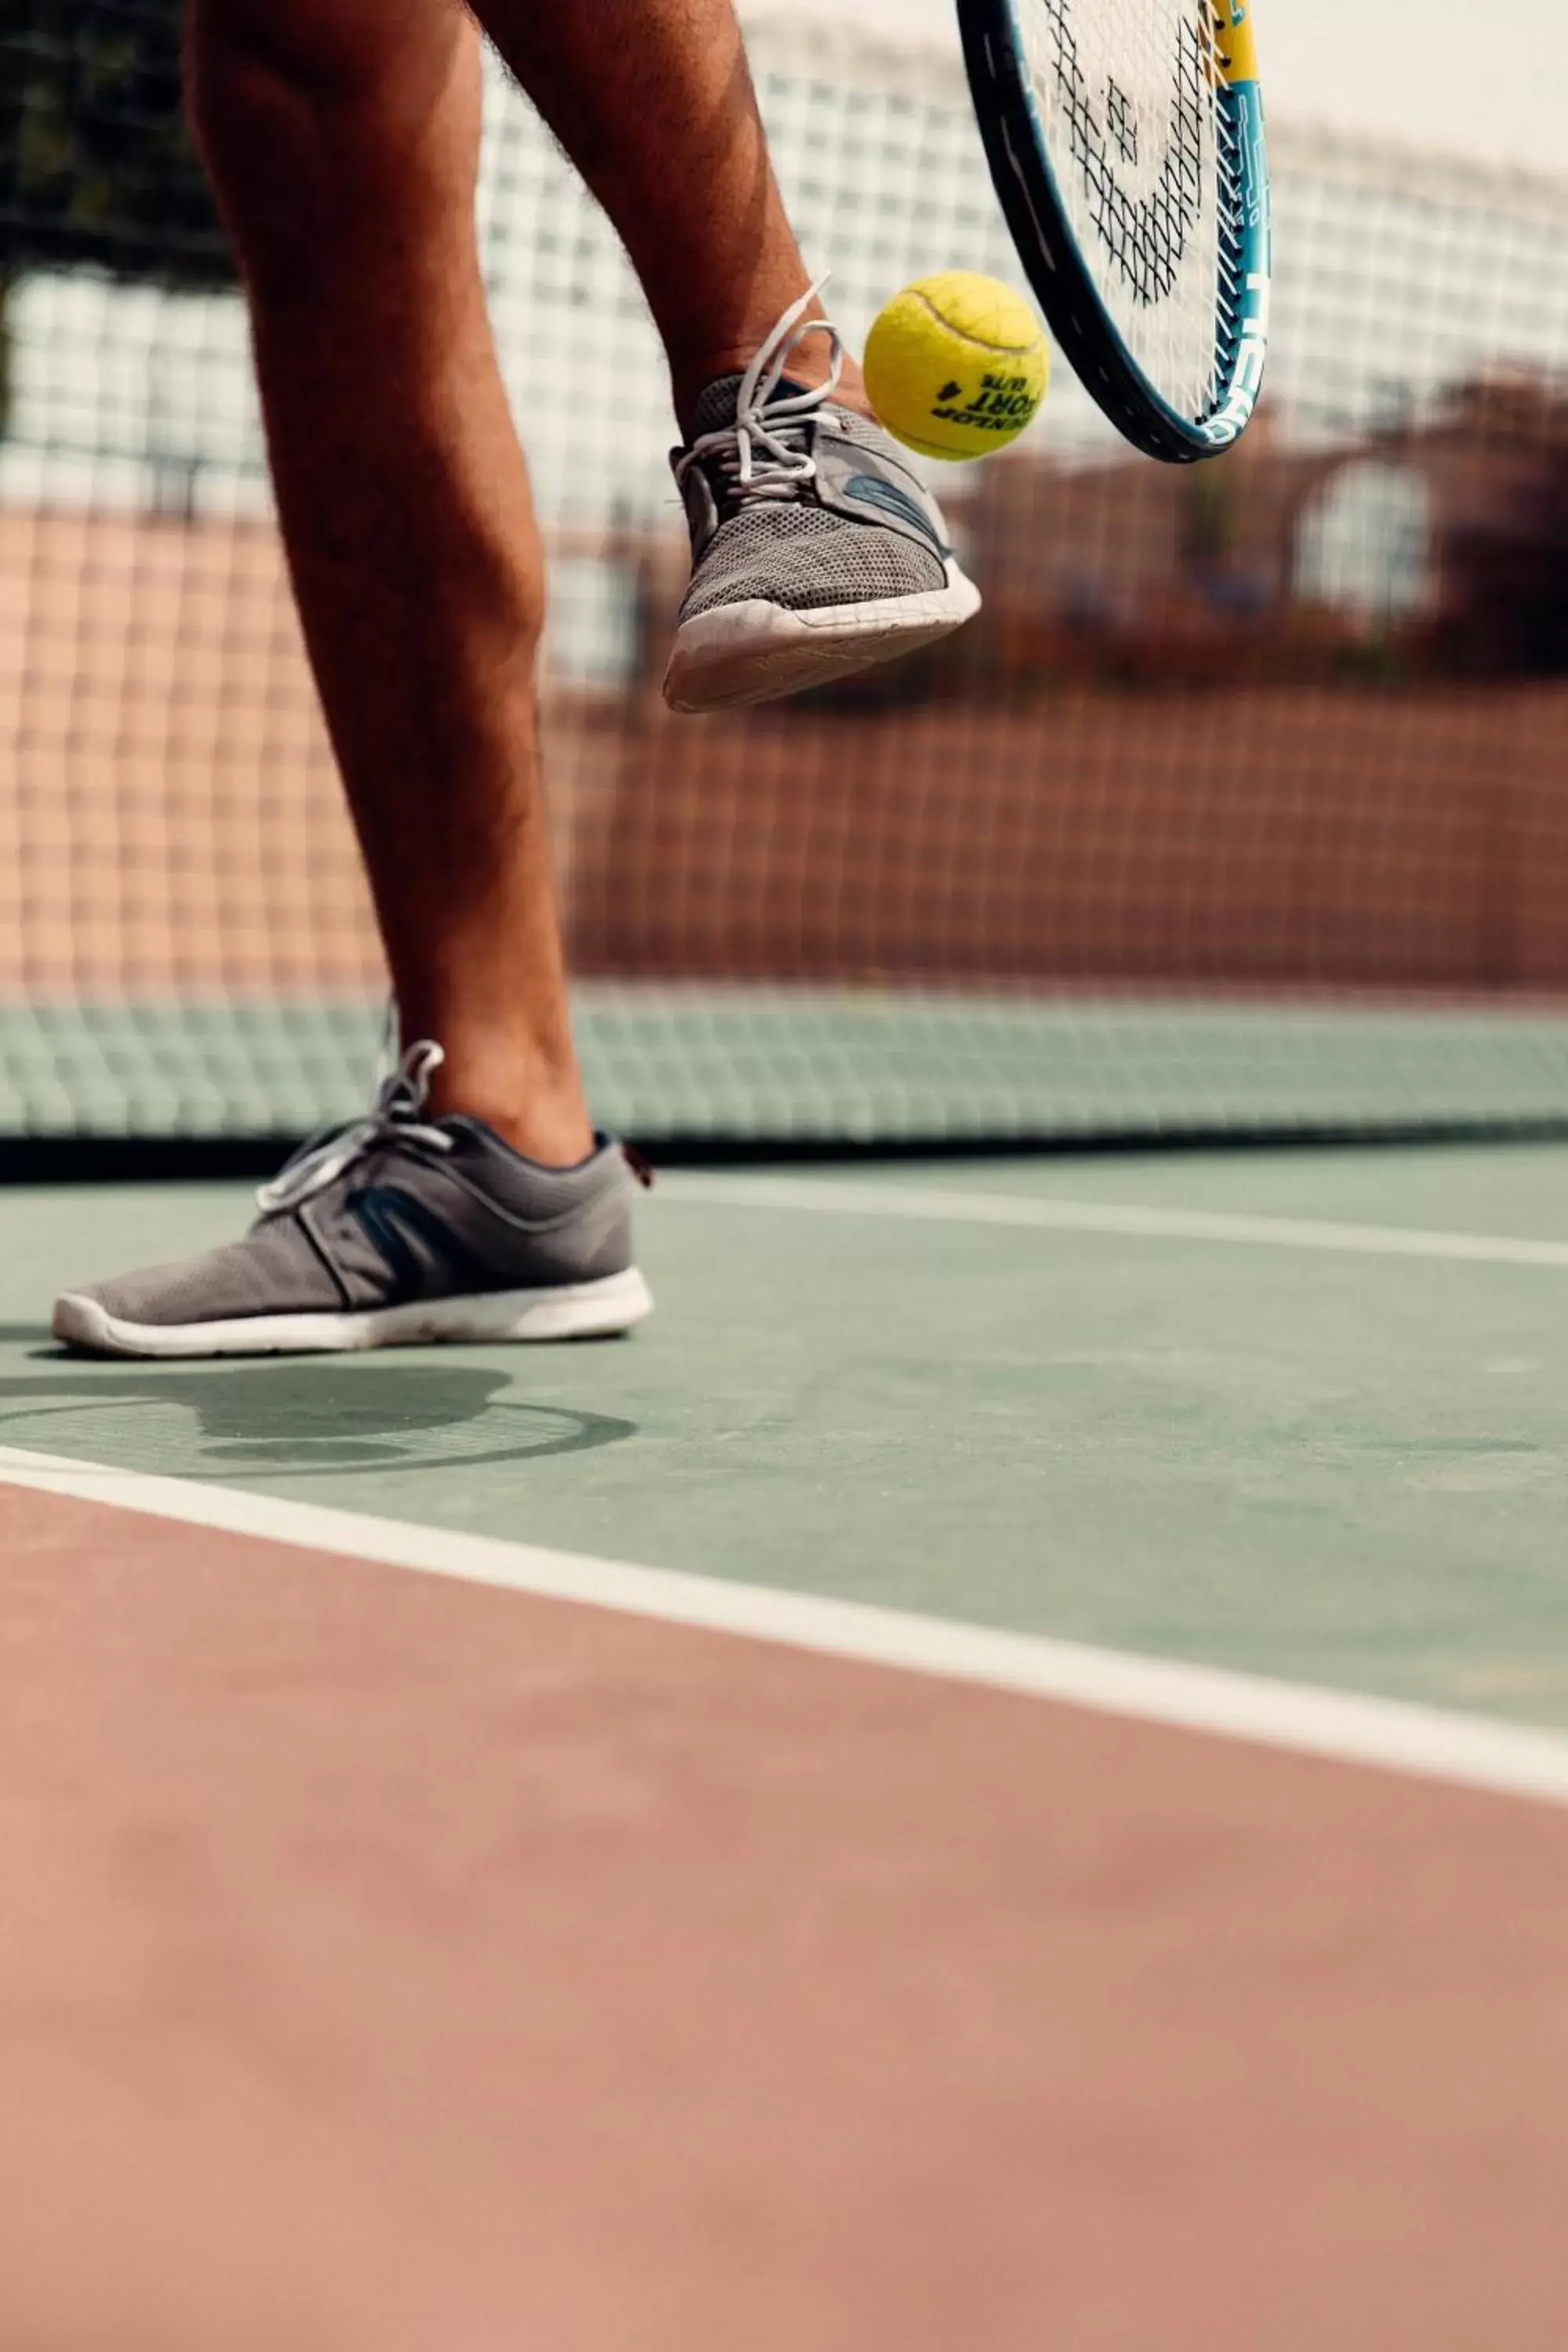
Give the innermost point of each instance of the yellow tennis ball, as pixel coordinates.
(957, 365)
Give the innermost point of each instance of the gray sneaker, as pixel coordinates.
(396, 1231)
(817, 548)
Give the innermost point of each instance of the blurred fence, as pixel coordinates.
(1292, 721)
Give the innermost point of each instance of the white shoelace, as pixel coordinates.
(397, 1117)
(760, 453)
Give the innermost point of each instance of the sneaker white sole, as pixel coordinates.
(582, 1310)
(757, 652)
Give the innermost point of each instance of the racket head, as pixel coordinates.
(1126, 142)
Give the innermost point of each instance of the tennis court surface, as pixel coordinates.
(996, 1780)
(1016, 1796)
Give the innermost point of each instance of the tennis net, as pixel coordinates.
(1242, 811)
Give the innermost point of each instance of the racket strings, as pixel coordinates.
(1129, 91)
(1145, 235)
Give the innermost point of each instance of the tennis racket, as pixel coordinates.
(1125, 138)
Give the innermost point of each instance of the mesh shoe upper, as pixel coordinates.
(806, 561)
(275, 1270)
(857, 527)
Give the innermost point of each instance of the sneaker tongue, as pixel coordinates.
(715, 408)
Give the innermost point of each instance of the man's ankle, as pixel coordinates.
(693, 369)
(537, 1110)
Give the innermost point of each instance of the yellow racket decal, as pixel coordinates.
(1235, 40)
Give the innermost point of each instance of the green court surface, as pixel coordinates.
(1305, 1413)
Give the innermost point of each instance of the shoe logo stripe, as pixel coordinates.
(396, 1225)
(873, 492)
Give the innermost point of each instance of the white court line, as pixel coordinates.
(812, 1196)
(1421, 1742)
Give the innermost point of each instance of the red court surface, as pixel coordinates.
(392, 1962)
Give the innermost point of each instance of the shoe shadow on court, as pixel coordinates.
(292, 1418)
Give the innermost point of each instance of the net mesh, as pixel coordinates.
(1242, 810)
(1129, 101)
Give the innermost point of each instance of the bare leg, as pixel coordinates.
(342, 137)
(653, 101)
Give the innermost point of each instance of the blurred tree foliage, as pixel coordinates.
(1507, 600)
(96, 168)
